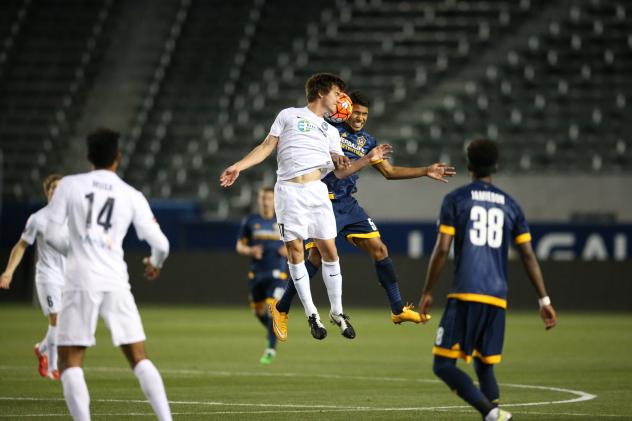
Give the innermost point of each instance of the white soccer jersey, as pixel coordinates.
(305, 143)
(49, 268)
(99, 208)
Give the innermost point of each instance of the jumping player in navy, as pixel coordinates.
(259, 238)
(353, 222)
(482, 220)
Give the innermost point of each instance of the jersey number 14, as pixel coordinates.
(487, 226)
(104, 218)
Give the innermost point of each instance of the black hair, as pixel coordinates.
(482, 157)
(359, 98)
(321, 83)
(102, 147)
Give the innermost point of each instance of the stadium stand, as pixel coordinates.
(49, 59)
(550, 80)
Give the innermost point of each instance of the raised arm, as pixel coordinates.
(377, 154)
(254, 157)
(437, 262)
(17, 253)
(532, 267)
(438, 171)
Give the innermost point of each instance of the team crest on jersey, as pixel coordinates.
(361, 141)
(257, 226)
(304, 125)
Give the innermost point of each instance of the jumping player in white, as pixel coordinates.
(49, 278)
(99, 208)
(308, 149)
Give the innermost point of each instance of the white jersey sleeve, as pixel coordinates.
(147, 229)
(30, 231)
(279, 124)
(334, 142)
(58, 206)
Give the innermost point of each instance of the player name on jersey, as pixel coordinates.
(488, 196)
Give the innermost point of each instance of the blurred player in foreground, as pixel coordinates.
(308, 149)
(354, 223)
(49, 278)
(482, 220)
(259, 239)
(99, 208)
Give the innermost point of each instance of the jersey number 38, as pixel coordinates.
(487, 226)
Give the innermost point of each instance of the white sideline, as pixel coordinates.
(579, 396)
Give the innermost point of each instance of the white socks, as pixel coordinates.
(333, 282)
(153, 388)
(300, 278)
(76, 393)
(78, 399)
(51, 344)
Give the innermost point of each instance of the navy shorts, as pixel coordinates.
(471, 329)
(351, 221)
(264, 288)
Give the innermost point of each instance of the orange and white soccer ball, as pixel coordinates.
(344, 108)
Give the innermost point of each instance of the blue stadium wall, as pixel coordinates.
(586, 266)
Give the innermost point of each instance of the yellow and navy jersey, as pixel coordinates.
(354, 145)
(483, 220)
(254, 230)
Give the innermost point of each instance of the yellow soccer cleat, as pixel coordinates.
(409, 315)
(279, 322)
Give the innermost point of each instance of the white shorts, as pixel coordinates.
(80, 312)
(304, 211)
(49, 296)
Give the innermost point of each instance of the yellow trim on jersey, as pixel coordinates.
(374, 234)
(457, 353)
(310, 245)
(379, 161)
(523, 238)
(282, 276)
(446, 229)
(332, 196)
(480, 298)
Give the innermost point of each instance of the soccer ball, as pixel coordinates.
(344, 107)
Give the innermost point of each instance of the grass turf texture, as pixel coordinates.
(209, 359)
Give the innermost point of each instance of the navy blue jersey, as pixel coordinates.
(354, 145)
(257, 230)
(483, 220)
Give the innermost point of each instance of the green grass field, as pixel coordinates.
(209, 359)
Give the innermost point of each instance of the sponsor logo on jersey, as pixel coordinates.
(304, 125)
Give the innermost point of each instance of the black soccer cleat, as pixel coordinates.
(342, 321)
(318, 330)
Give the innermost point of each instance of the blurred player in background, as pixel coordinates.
(49, 277)
(259, 239)
(308, 149)
(482, 220)
(353, 222)
(99, 208)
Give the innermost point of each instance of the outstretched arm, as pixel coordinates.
(532, 267)
(254, 157)
(438, 171)
(17, 253)
(437, 262)
(379, 153)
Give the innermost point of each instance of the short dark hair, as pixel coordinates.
(482, 157)
(321, 83)
(102, 147)
(359, 98)
(266, 189)
(48, 181)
